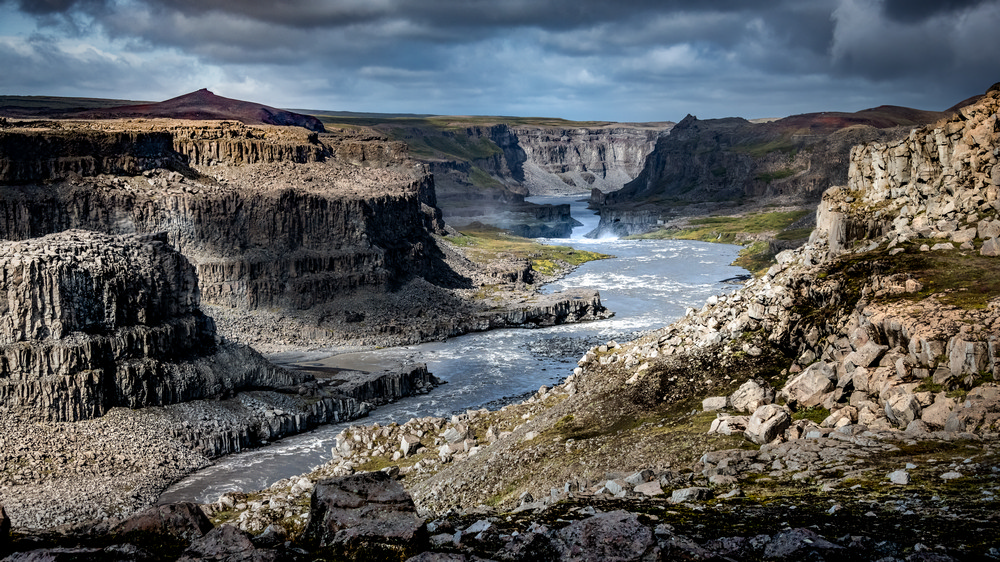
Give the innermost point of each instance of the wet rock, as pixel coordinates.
(367, 515)
(766, 423)
(616, 535)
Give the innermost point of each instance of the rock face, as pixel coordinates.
(273, 218)
(704, 165)
(94, 321)
(576, 160)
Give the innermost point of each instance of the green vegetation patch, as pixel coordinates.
(487, 243)
(769, 177)
(725, 229)
(966, 280)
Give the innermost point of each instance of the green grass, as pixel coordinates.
(769, 177)
(725, 229)
(488, 243)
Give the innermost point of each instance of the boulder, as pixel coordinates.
(226, 542)
(751, 395)
(170, 526)
(810, 387)
(900, 477)
(693, 494)
(713, 403)
(766, 423)
(364, 516)
(616, 535)
(991, 248)
(801, 544)
(901, 407)
(865, 356)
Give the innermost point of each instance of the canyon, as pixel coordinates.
(848, 391)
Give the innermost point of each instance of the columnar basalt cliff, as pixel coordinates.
(576, 160)
(93, 321)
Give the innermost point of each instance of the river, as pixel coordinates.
(648, 285)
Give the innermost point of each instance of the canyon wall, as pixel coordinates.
(93, 321)
(271, 217)
(706, 166)
(575, 160)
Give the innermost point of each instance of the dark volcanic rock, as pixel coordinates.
(93, 321)
(364, 517)
(166, 526)
(229, 544)
(616, 535)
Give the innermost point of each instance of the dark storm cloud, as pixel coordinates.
(911, 11)
(642, 59)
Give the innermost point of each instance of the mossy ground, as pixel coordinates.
(486, 243)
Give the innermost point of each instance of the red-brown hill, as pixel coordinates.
(203, 104)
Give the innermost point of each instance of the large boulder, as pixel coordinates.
(809, 388)
(164, 527)
(615, 535)
(367, 516)
(227, 543)
(751, 395)
(901, 407)
(766, 423)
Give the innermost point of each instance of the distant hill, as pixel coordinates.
(201, 104)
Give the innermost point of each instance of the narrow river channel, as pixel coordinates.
(648, 285)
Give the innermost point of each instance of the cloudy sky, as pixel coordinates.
(621, 60)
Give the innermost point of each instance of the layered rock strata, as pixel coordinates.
(94, 321)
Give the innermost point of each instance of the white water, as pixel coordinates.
(648, 285)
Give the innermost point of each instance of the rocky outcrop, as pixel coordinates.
(94, 321)
(707, 165)
(576, 160)
(273, 218)
(46, 151)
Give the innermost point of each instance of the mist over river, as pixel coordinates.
(648, 285)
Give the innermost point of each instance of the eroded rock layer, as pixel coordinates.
(94, 321)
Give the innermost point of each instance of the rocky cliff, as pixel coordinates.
(93, 321)
(708, 165)
(272, 217)
(483, 171)
(576, 160)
